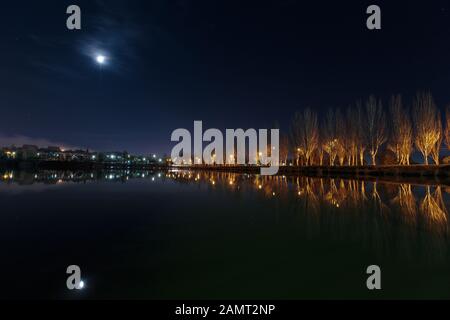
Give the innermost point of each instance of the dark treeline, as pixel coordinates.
(363, 132)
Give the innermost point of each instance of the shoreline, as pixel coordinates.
(73, 165)
(414, 174)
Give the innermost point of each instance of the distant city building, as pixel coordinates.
(54, 153)
(49, 153)
(27, 152)
(8, 153)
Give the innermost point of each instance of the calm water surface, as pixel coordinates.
(167, 235)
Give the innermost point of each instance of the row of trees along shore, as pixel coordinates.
(364, 130)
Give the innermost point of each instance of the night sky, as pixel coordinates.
(229, 63)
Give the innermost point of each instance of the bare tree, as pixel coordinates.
(375, 126)
(361, 130)
(342, 140)
(436, 149)
(427, 125)
(320, 147)
(305, 133)
(352, 136)
(329, 142)
(395, 135)
(284, 149)
(294, 135)
(321, 153)
(401, 137)
(447, 127)
(309, 134)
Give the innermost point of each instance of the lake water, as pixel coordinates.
(189, 235)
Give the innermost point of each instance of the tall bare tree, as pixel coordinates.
(284, 149)
(427, 124)
(352, 136)
(342, 139)
(294, 137)
(401, 136)
(436, 149)
(361, 129)
(320, 146)
(447, 127)
(330, 137)
(305, 133)
(321, 154)
(376, 126)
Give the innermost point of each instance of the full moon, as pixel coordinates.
(100, 59)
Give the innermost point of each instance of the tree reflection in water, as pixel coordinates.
(387, 216)
(390, 217)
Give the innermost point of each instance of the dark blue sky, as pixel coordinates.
(229, 63)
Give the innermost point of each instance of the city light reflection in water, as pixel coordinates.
(403, 227)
